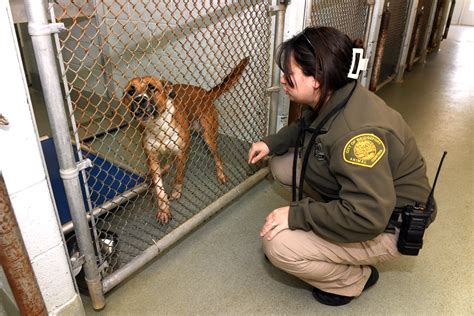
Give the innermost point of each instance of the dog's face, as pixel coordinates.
(146, 97)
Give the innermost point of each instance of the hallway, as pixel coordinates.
(220, 268)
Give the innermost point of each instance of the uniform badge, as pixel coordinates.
(318, 151)
(364, 150)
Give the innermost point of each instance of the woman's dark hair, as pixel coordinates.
(322, 52)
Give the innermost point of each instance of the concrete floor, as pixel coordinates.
(220, 269)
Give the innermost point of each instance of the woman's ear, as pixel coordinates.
(316, 83)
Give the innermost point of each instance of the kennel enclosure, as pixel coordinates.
(101, 166)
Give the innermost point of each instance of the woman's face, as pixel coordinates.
(306, 88)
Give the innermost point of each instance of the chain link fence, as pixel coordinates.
(128, 67)
(399, 11)
(348, 16)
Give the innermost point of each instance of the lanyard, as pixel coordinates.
(315, 131)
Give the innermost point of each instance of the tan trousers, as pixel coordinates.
(339, 268)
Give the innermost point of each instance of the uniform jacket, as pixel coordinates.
(365, 162)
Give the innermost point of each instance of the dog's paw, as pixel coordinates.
(177, 191)
(163, 217)
(222, 177)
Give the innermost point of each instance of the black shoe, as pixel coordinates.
(373, 278)
(338, 300)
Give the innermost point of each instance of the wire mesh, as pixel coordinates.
(132, 129)
(348, 16)
(393, 45)
(424, 5)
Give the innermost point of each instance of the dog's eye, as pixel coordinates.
(131, 91)
(151, 87)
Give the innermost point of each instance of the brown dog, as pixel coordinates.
(166, 113)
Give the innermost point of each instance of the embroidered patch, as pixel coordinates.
(364, 150)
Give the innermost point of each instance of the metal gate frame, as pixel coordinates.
(41, 30)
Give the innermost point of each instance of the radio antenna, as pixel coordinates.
(429, 202)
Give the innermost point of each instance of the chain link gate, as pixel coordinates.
(421, 30)
(348, 16)
(108, 43)
(397, 15)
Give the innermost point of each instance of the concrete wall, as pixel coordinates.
(22, 165)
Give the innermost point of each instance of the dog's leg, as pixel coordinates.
(181, 160)
(210, 125)
(164, 213)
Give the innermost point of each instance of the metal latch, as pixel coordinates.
(35, 29)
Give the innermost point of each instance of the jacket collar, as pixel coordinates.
(337, 97)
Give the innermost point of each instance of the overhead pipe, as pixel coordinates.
(15, 261)
(40, 30)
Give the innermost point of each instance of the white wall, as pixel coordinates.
(22, 165)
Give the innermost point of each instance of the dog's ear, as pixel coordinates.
(131, 91)
(168, 88)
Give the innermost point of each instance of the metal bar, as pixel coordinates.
(385, 82)
(109, 205)
(73, 124)
(372, 40)
(426, 39)
(448, 21)
(414, 42)
(371, 4)
(278, 39)
(378, 58)
(406, 40)
(118, 276)
(44, 54)
(15, 261)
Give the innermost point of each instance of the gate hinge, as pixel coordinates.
(275, 8)
(35, 29)
(71, 173)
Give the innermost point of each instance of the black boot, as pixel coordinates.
(338, 300)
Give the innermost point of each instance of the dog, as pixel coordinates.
(166, 113)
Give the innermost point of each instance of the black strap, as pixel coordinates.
(315, 131)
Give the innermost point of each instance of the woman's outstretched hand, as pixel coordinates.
(275, 222)
(257, 151)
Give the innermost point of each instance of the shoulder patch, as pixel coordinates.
(364, 150)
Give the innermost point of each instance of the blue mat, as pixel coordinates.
(105, 180)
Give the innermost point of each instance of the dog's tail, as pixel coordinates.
(230, 80)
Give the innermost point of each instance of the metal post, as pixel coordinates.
(415, 40)
(429, 27)
(40, 31)
(275, 88)
(379, 50)
(15, 262)
(375, 20)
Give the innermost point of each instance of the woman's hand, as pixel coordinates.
(275, 222)
(257, 151)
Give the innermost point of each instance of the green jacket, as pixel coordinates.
(364, 163)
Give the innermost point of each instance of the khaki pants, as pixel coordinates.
(339, 268)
